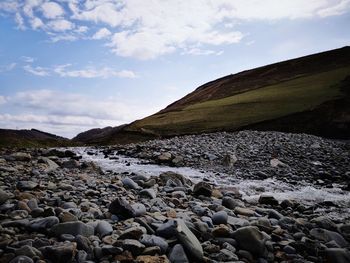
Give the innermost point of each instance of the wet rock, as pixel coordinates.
(73, 228)
(229, 202)
(164, 177)
(166, 230)
(324, 222)
(104, 228)
(132, 233)
(164, 157)
(152, 240)
(220, 217)
(251, 239)
(178, 255)
(202, 188)
(121, 208)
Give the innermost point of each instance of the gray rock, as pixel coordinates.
(188, 240)
(22, 157)
(229, 160)
(326, 236)
(132, 233)
(324, 222)
(130, 183)
(26, 185)
(138, 209)
(51, 165)
(178, 255)
(166, 230)
(3, 196)
(150, 193)
(229, 202)
(104, 228)
(152, 240)
(251, 239)
(43, 224)
(220, 217)
(73, 228)
(28, 251)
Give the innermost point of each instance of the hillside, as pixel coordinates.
(31, 138)
(308, 94)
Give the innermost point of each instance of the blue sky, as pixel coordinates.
(69, 66)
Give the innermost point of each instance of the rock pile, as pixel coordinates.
(54, 207)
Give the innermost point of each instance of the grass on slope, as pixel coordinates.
(270, 102)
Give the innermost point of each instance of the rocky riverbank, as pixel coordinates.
(57, 207)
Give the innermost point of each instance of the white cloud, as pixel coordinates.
(27, 59)
(202, 52)
(8, 67)
(37, 71)
(105, 72)
(148, 29)
(67, 113)
(102, 33)
(52, 10)
(60, 25)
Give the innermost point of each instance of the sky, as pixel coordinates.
(67, 66)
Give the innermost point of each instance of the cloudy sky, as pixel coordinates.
(71, 65)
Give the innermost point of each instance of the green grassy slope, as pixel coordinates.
(266, 103)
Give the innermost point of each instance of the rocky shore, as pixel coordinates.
(57, 207)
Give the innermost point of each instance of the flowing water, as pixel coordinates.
(304, 193)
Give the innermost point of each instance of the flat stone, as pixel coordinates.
(244, 211)
(134, 246)
(73, 228)
(26, 185)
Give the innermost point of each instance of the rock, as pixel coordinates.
(178, 255)
(202, 188)
(121, 208)
(337, 255)
(138, 209)
(220, 217)
(152, 259)
(51, 165)
(73, 228)
(134, 246)
(244, 211)
(103, 228)
(267, 199)
(164, 157)
(251, 239)
(83, 243)
(150, 193)
(130, 183)
(61, 253)
(229, 202)
(221, 231)
(152, 240)
(70, 164)
(18, 214)
(277, 163)
(188, 240)
(43, 224)
(164, 177)
(26, 185)
(28, 251)
(3, 197)
(166, 230)
(229, 160)
(326, 236)
(237, 222)
(66, 216)
(22, 259)
(132, 233)
(22, 157)
(324, 222)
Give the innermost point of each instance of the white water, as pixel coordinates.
(250, 189)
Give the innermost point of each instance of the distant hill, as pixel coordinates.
(31, 138)
(305, 95)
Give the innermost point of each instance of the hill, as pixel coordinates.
(31, 138)
(305, 95)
